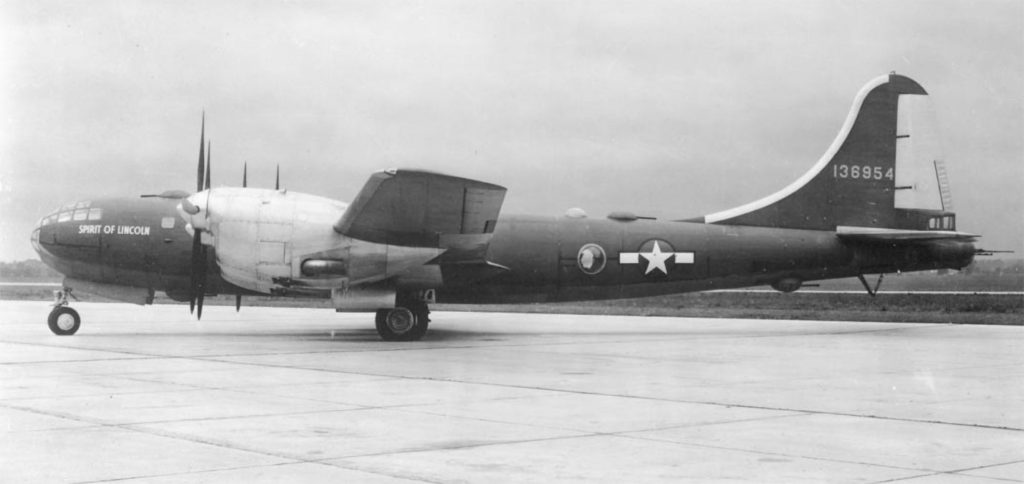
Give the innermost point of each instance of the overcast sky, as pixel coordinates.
(670, 109)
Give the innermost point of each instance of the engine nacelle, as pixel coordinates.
(277, 242)
(261, 236)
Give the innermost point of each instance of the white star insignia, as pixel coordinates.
(656, 259)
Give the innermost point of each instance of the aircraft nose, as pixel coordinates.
(73, 225)
(44, 234)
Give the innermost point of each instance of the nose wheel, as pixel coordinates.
(63, 320)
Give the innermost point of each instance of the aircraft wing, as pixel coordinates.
(423, 209)
(874, 234)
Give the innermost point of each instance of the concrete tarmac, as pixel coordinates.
(145, 394)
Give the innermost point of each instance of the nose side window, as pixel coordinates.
(167, 223)
(95, 213)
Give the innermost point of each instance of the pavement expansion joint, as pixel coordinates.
(778, 454)
(639, 397)
(499, 397)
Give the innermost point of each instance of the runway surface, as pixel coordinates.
(144, 394)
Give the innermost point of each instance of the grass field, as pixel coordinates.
(1003, 309)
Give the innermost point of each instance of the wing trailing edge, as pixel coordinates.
(423, 209)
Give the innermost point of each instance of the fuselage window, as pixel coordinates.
(167, 222)
(933, 223)
(64, 217)
(95, 213)
(81, 215)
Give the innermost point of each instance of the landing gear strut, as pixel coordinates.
(63, 320)
(871, 291)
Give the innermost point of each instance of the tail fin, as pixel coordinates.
(883, 171)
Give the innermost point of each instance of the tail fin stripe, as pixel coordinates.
(817, 168)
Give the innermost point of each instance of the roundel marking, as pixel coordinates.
(591, 259)
(656, 256)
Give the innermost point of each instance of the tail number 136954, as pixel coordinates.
(861, 172)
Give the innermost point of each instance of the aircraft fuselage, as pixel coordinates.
(142, 243)
(877, 201)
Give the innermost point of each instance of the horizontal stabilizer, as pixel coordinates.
(873, 234)
(423, 209)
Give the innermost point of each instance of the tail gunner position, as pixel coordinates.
(877, 202)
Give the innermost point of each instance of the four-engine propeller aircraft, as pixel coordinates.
(876, 202)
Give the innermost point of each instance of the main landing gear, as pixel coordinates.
(407, 321)
(63, 320)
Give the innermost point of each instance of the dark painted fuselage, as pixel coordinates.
(142, 243)
(544, 258)
(134, 242)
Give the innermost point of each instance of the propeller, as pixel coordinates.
(197, 289)
(277, 178)
(209, 162)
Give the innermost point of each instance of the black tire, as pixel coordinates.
(400, 324)
(64, 321)
(422, 322)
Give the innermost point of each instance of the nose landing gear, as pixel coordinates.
(63, 320)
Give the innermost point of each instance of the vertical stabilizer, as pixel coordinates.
(883, 170)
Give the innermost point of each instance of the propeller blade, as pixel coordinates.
(245, 173)
(277, 179)
(197, 276)
(209, 162)
(201, 289)
(197, 246)
(238, 302)
(202, 143)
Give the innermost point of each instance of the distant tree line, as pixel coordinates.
(29, 268)
(984, 265)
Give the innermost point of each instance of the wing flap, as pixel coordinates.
(423, 209)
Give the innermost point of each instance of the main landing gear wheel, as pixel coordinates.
(64, 321)
(401, 324)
